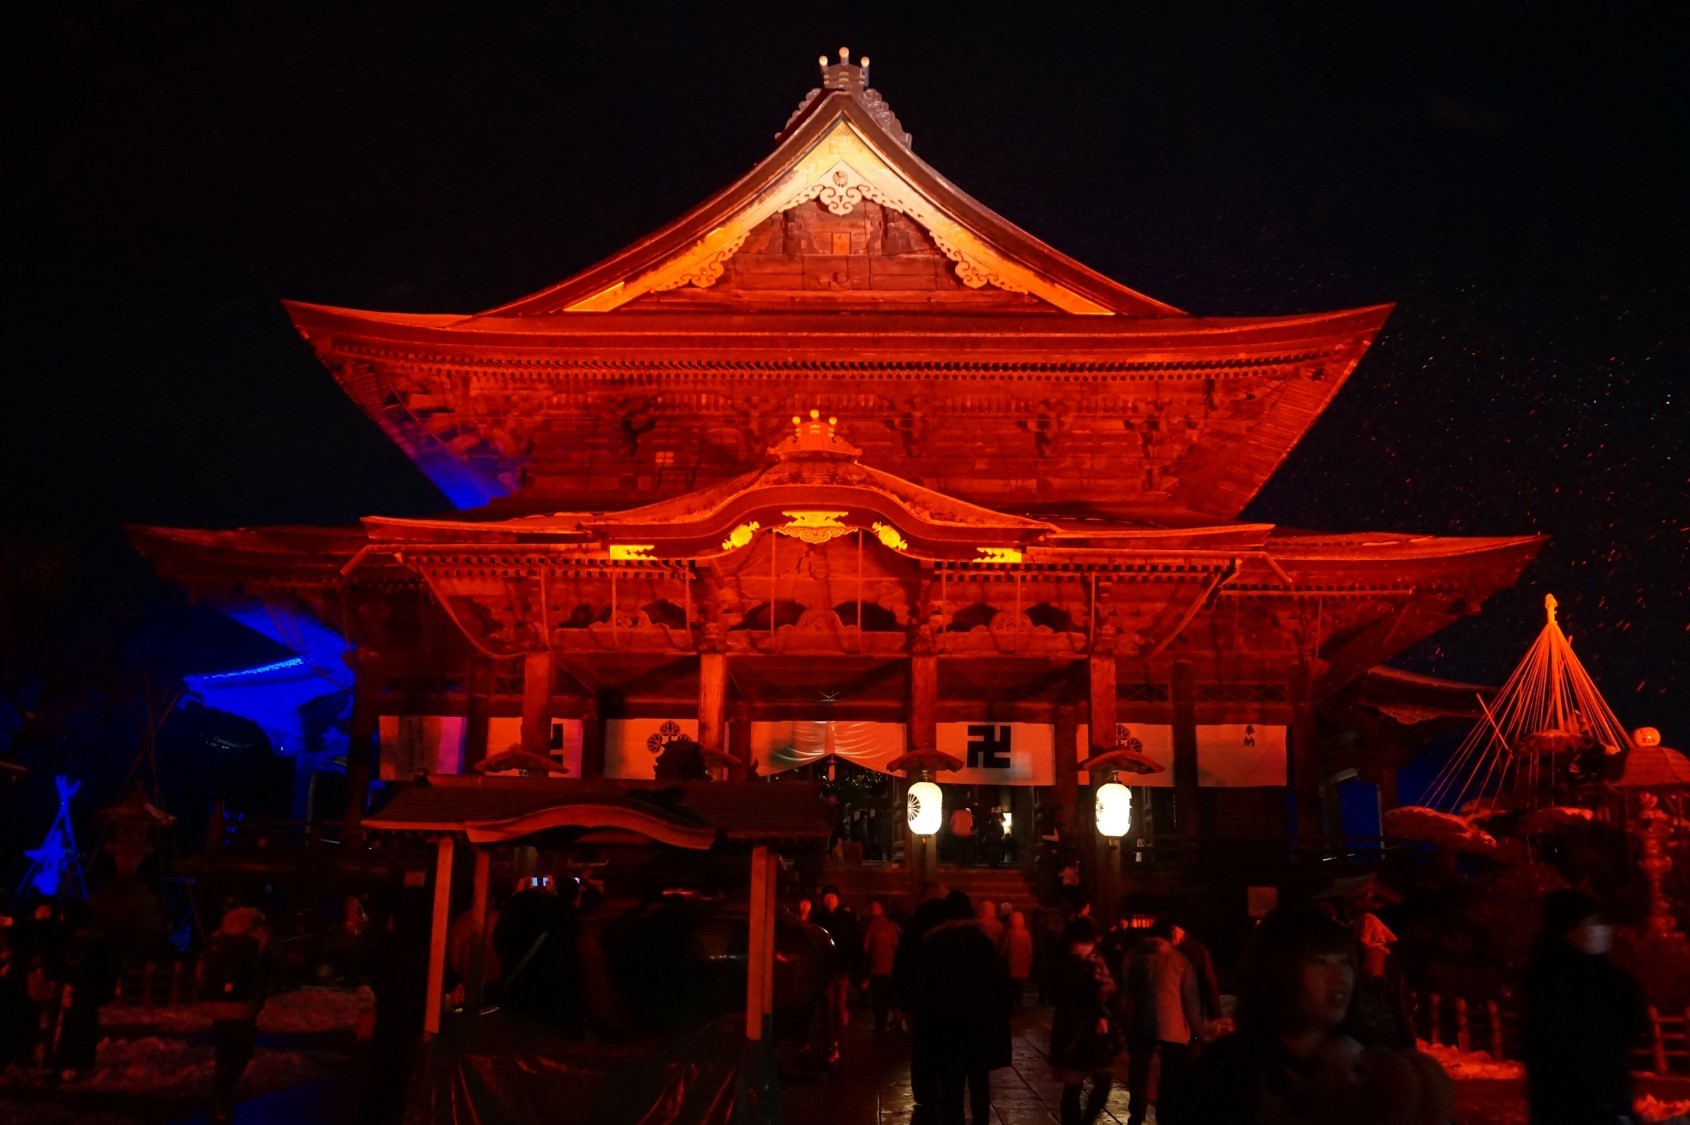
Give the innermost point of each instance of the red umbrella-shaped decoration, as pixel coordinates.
(918, 760)
(1555, 742)
(1417, 822)
(1123, 760)
(518, 759)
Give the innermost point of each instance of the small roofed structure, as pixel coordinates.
(697, 816)
(1652, 766)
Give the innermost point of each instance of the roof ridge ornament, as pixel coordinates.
(813, 436)
(848, 78)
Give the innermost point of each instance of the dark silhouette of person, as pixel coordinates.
(963, 1013)
(1582, 1016)
(399, 979)
(908, 975)
(1085, 1034)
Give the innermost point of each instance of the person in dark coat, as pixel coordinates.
(1165, 1018)
(1085, 1034)
(1291, 1061)
(963, 1016)
(908, 972)
(399, 979)
(1208, 981)
(537, 941)
(1582, 1016)
(841, 924)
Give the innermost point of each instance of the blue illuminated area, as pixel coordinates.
(463, 486)
(278, 694)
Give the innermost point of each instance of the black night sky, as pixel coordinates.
(1514, 177)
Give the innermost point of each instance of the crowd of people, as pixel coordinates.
(1319, 1031)
(56, 973)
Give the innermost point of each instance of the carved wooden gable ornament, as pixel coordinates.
(843, 151)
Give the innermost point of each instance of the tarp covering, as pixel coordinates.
(502, 1069)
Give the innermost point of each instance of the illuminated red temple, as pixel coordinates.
(842, 462)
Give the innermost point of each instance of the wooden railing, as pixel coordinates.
(1494, 1028)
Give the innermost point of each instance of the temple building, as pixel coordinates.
(842, 463)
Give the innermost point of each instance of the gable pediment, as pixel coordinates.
(840, 169)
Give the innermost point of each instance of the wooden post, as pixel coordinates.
(478, 709)
(475, 983)
(712, 699)
(1493, 1015)
(149, 972)
(437, 936)
(771, 884)
(1066, 763)
(538, 676)
(1304, 781)
(1434, 1030)
(176, 982)
(1463, 1032)
(739, 732)
(362, 745)
(1187, 795)
(1657, 1044)
(592, 739)
(1103, 709)
(924, 701)
(756, 952)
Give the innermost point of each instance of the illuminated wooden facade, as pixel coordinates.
(1026, 511)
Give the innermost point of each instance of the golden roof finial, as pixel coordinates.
(814, 436)
(1549, 604)
(842, 75)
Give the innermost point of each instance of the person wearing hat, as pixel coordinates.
(1583, 1014)
(231, 980)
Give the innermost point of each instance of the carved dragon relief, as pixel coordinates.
(840, 172)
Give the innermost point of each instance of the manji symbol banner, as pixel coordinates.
(1241, 755)
(991, 753)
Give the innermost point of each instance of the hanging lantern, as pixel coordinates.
(1114, 809)
(926, 808)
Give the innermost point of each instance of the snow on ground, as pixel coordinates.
(1674, 1112)
(1460, 1064)
(308, 1011)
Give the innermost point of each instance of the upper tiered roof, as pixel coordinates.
(843, 272)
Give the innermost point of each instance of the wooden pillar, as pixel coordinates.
(475, 984)
(539, 675)
(924, 701)
(1386, 778)
(1067, 769)
(592, 739)
(712, 699)
(756, 949)
(771, 884)
(1187, 794)
(437, 936)
(363, 746)
(1103, 707)
(739, 732)
(478, 706)
(1304, 781)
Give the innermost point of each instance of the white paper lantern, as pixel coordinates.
(1114, 809)
(926, 808)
